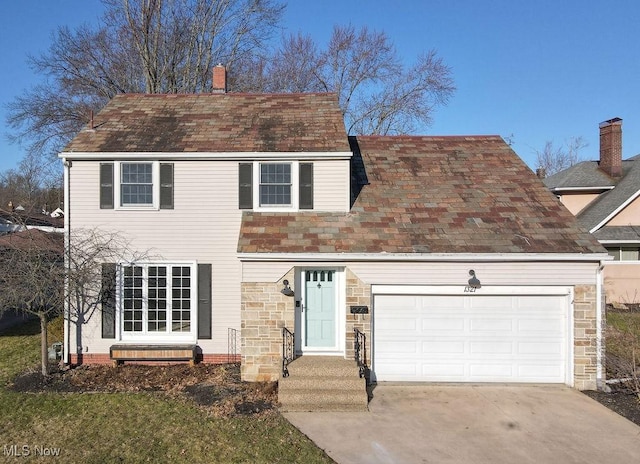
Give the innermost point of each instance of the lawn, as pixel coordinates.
(623, 334)
(131, 427)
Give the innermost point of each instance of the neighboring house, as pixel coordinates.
(605, 197)
(448, 253)
(17, 220)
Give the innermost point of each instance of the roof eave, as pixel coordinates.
(204, 156)
(426, 257)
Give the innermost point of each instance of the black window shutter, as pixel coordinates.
(108, 299)
(106, 185)
(245, 187)
(204, 301)
(166, 185)
(306, 186)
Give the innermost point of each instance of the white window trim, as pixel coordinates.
(157, 337)
(295, 188)
(117, 181)
(619, 247)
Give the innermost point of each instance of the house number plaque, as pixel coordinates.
(359, 310)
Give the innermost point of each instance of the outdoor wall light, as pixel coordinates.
(474, 282)
(286, 290)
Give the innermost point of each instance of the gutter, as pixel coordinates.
(427, 257)
(200, 156)
(67, 261)
(600, 380)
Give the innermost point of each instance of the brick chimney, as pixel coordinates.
(219, 79)
(611, 147)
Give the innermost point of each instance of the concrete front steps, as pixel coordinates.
(322, 383)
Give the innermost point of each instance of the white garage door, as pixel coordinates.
(472, 338)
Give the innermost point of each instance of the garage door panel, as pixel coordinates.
(443, 324)
(534, 326)
(505, 305)
(490, 324)
(442, 347)
(449, 372)
(539, 371)
(491, 372)
(491, 347)
(540, 348)
(400, 324)
(399, 371)
(406, 347)
(474, 338)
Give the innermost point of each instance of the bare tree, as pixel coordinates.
(34, 185)
(552, 159)
(89, 253)
(377, 94)
(153, 46)
(32, 277)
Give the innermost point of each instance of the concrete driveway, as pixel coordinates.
(474, 424)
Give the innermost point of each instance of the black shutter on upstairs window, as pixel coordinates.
(106, 185)
(306, 186)
(166, 185)
(108, 300)
(245, 187)
(204, 301)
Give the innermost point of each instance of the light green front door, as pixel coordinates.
(320, 309)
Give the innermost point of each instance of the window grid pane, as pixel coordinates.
(181, 299)
(136, 184)
(275, 184)
(132, 299)
(157, 301)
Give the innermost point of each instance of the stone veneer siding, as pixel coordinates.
(264, 311)
(358, 294)
(585, 356)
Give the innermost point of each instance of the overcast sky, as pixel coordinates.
(528, 70)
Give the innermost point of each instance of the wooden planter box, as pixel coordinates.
(121, 353)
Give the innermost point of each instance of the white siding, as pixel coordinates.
(331, 181)
(453, 273)
(202, 227)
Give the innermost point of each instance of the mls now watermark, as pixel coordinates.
(29, 450)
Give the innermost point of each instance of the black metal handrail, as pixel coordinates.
(288, 353)
(360, 349)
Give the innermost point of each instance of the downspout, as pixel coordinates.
(600, 380)
(67, 261)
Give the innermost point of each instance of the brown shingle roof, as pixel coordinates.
(216, 123)
(430, 195)
(33, 239)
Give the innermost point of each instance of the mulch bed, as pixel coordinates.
(216, 388)
(620, 400)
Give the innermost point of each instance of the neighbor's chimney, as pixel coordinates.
(220, 79)
(611, 147)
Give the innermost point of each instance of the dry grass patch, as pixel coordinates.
(141, 422)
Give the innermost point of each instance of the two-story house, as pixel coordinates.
(605, 197)
(447, 254)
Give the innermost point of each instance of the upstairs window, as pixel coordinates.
(285, 186)
(275, 184)
(624, 253)
(136, 184)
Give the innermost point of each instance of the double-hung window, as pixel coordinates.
(136, 184)
(157, 300)
(275, 184)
